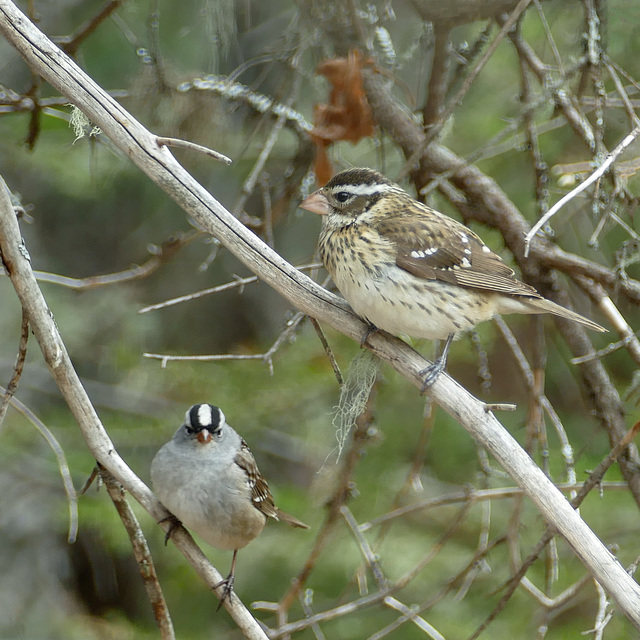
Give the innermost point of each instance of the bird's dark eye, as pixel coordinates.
(342, 196)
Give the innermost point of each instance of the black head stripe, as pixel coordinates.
(356, 176)
(203, 416)
(355, 191)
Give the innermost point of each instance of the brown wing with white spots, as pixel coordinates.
(434, 247)
(260, 494)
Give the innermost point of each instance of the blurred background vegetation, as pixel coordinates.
(90, 212)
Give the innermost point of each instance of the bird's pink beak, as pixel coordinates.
(204, 436)
(316, 203)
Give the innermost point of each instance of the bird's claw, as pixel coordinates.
(371, 328)
(227, 591)
(431, 373)
(175, 524)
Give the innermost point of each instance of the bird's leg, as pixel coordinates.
(431, 372)
(227, 582)
(175, 523)
(371, 328)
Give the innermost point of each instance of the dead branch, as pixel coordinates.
(17, 369)
(486, 203)
(141, 553)
(455, 100)
(596, 175)
(71, 43)
(192, 146)
(159, 255)
(63, 466)
(140, 145)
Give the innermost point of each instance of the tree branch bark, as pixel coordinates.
(487, 203)
(159, 164)
(17, 263)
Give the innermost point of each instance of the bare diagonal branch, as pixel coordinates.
(159, 164)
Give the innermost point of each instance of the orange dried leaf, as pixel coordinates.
(348, 115)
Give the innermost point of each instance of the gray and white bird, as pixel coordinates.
(207, 477)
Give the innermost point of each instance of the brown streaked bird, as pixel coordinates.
(408, 269)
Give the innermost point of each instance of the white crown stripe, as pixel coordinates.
(205, 415)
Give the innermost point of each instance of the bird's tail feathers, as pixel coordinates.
(542, 305)
(290, 520)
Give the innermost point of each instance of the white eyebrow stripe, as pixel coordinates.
(364, 189)
(205, 415)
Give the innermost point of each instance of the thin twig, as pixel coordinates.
(408, 615)
(608, 350)
(94, 476)
(380, 595)
(160, 254)
(266, 357)
(327, 350)
(561, 94)
(596, 175)
(70, 44)
(305, 602)
(613, 314)
(483, 539)
(267, 208)
(594, 479)
(217, 357)
(412, 479)
(153, 51)
(340, 495)
(286, 335)
(267, 147)
(436, 548)
(550, 39)
(476, 496)
(438, 78)
(431, 602)
(63, 466)
(17, 369)
(454, 101)
(365, 548)
(192, 146)
(530, 380)
(238, 282)
(495, 147)
(629, 106)
(602, 616)
(141, 553)
(539, 167)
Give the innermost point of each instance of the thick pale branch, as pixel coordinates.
(18, 266)
(141, 146)
(486, 202)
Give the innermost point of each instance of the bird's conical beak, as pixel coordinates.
(204, 436)
(316, 203)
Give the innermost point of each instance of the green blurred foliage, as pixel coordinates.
(94, 213)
